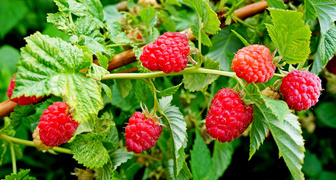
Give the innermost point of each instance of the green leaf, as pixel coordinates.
(178, 128)
(290, 35)
(184, 173)
(23, 174)
(221, 157)
(104, 172)
(259, 128)
(148, 16)
(19, 115)
(87, 33)
(120, 156)
(279, 108)
(96, 72)
(51, 66)
(170, 91)
(241, 38)
(12, 11)
(111, 13)
(204, 37)
(107, 90)
(89, 150)
(82, 8)
(279, 4)
(225, 43)
(326, 50)
(289, 140)
(124, 86)
(325, 10)
(326, 113)
(312, 165)
(59, 19)
(198, 82)
(126, 104)
(144, 94)
(201, 162)
(210, 20)
(197, 5)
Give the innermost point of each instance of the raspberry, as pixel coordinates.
(141, 133)
(37, 141)
(254, 64)
(22, 100)
(228, 117)
(271, 93)
(56, 125)
(301, 89)
(168, 53)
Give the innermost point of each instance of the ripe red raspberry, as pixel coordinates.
(141, 133)
(168, 53)
(22, 100)
(301, 89)
(254, 64)
(228, 117)
(56, 125)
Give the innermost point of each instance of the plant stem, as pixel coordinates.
(155, 98)
(200, 41)
(13, 158)
(147, 156)
(114, 45)
(192, 70)
(30, 143)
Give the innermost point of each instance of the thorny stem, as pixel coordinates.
(30, 143)
(13, 158)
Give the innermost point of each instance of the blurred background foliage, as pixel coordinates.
(20, 18)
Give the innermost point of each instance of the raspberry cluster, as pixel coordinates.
(301, 89)
(22, 100)
(254, 64)
(168, 53)
(56, 125)
(141, 133)
(228, 117)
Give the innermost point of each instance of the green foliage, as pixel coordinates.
(12, 11)
(326, 114)
(178, 129)
(290, 35)
(225, 43)
(201, 162)
(276, 4)
(221, 157)
(22, 175)
(88, 148)
(199, 82)
(209, 19)
(61, 62)
(326, 49)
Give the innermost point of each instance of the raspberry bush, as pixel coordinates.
(187, 89)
